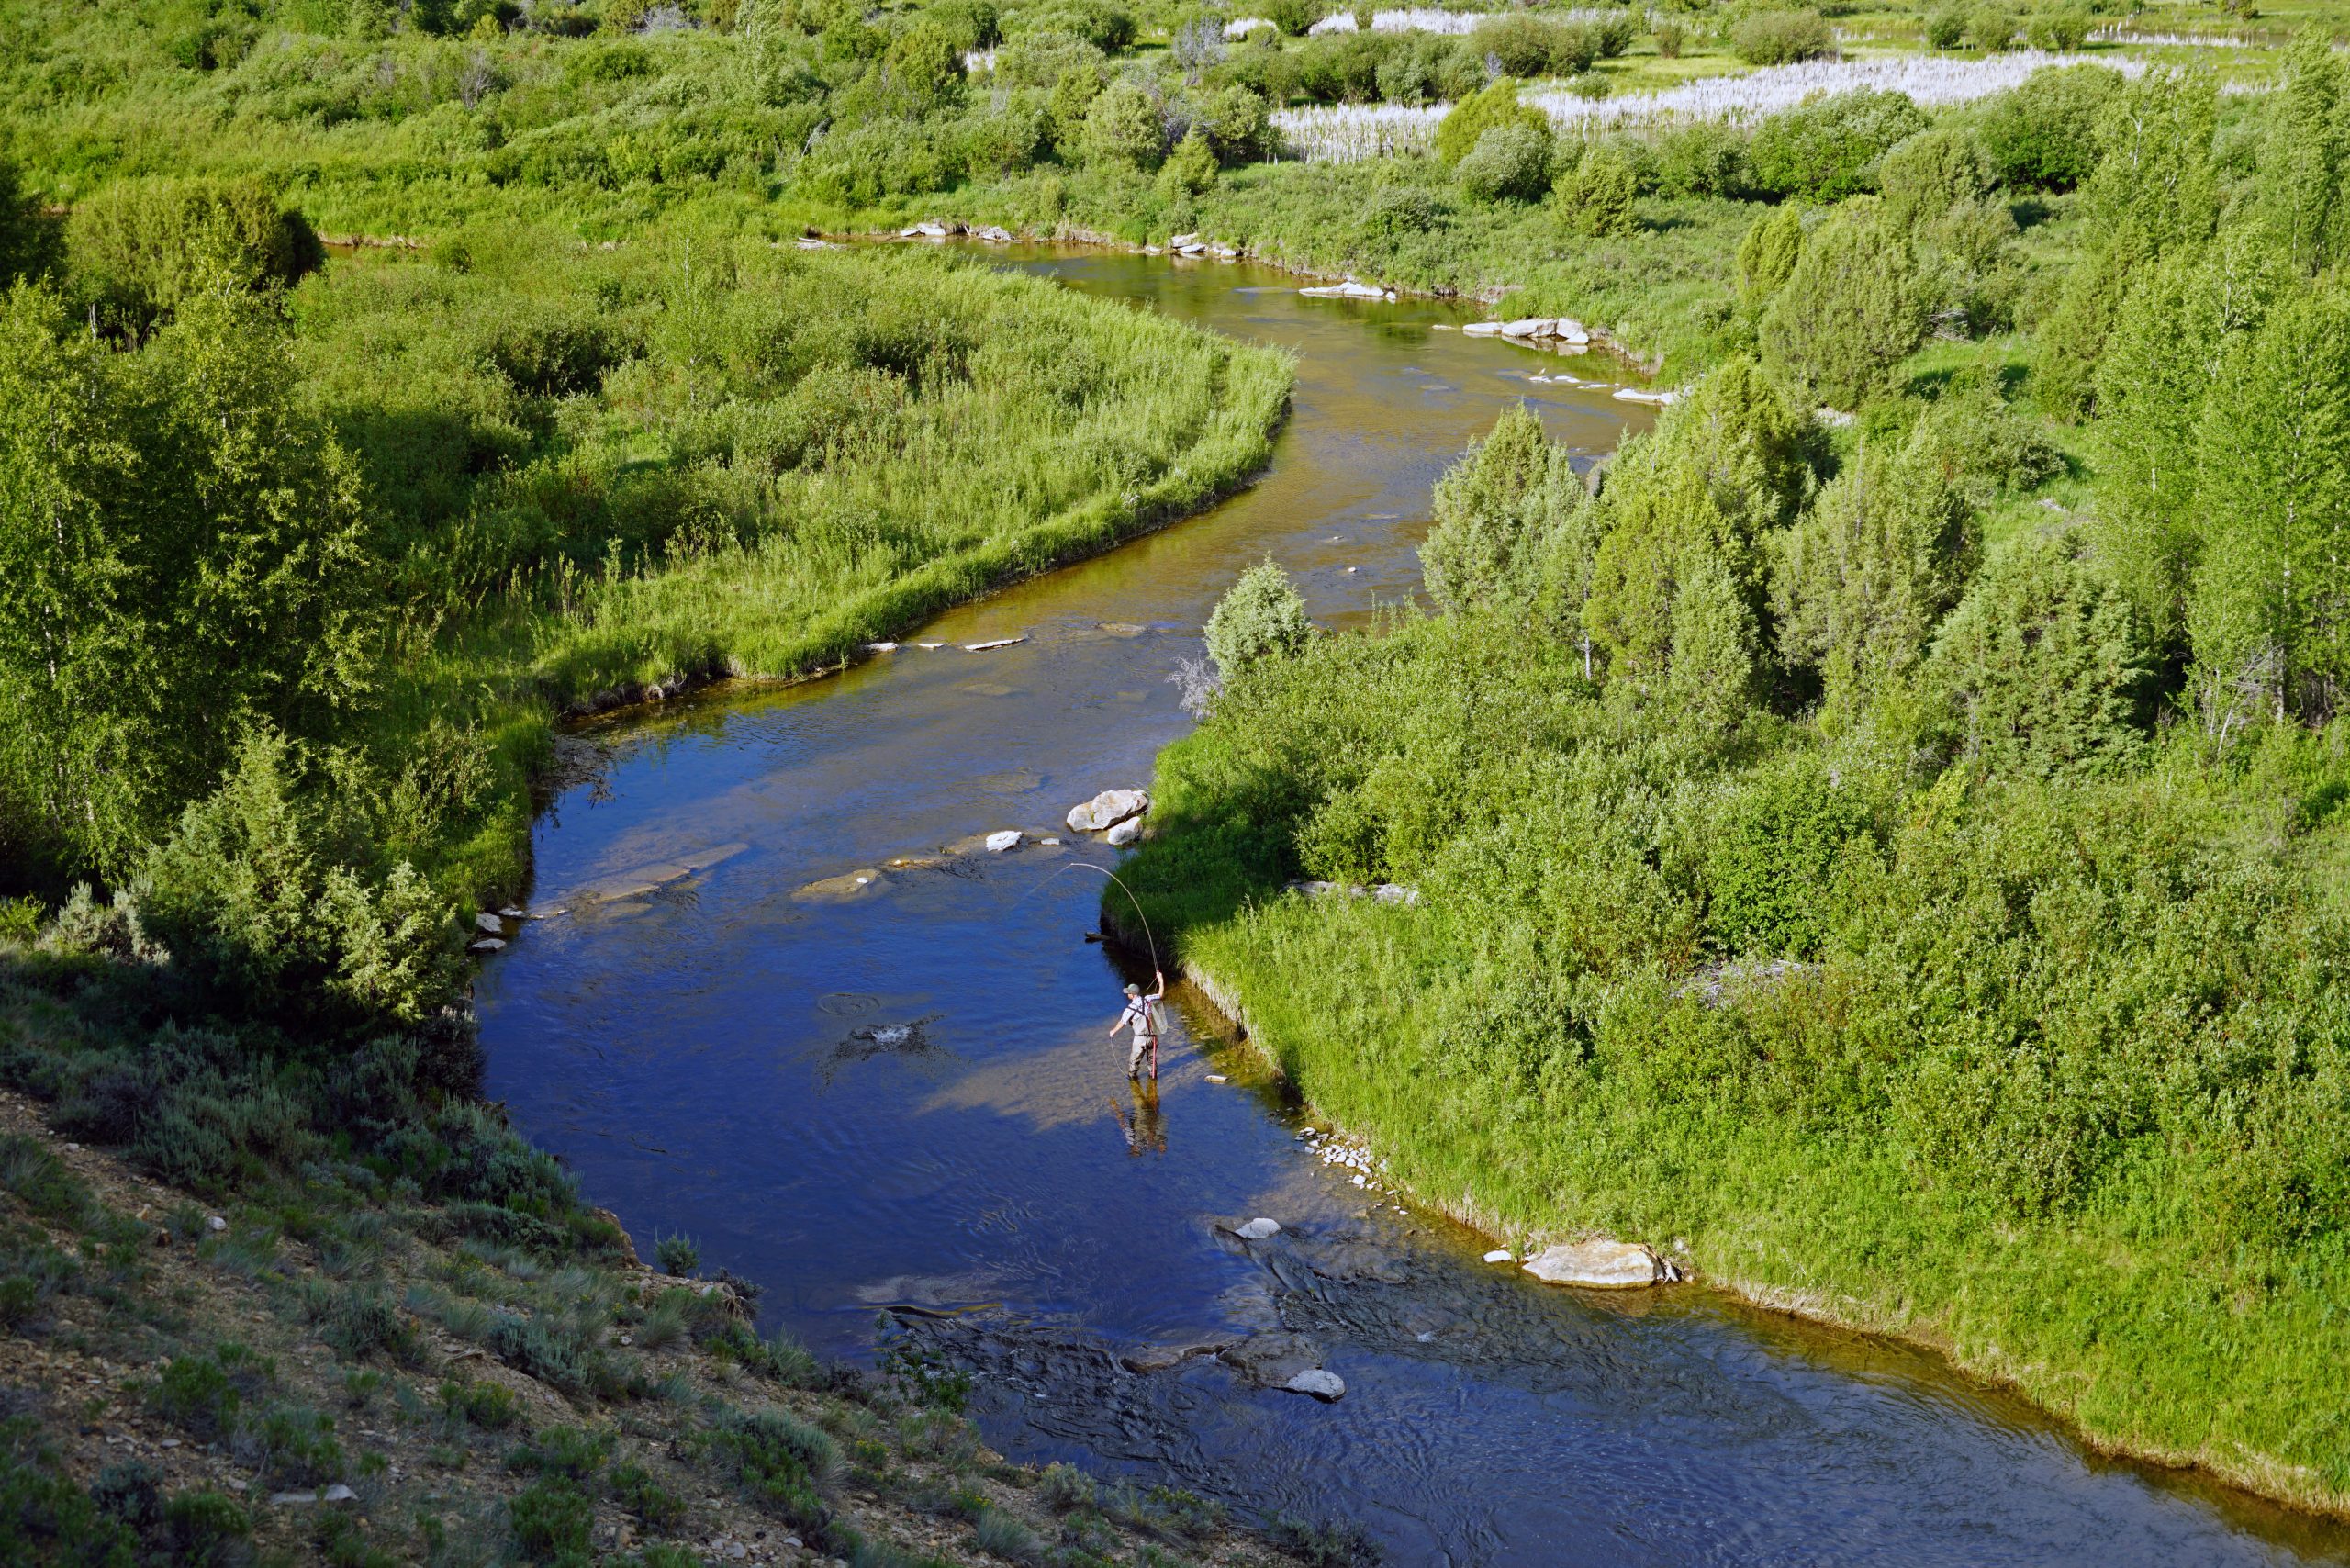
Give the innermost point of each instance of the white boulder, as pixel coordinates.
(1257, 1229)
(1125, 833)
(1499, 1255)
(1529, 327)
(488, 925)
(1599, 1265)
(999, 842)
(1107, 810)
(1483, 330)
(1322, 1384)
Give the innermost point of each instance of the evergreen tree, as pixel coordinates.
(1854, 306)
(2270, 614)
(2302, 157)
(1596, 195)
(1858, 583)
(2160, 364)
(1767, 255)
(1496, 103)
(2041, 665)
(2155, 174)
(1502, 513)
(2065, 351)
(181, 555)
(1260, 617)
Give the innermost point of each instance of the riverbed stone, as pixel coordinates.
(999, 842)
(1598, 1265)
(1124, 832)
(1107, 810)
(1257, 1229)
(488, 925)
(1322, 1384)
(1271, 1359)
(1147, 1359)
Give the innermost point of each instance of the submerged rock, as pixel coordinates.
(1271, 1359)
(1257, 1229)
(488, 924)
(1149, 1359)
(1108, 808)
(1600, 1265)
(999, 842)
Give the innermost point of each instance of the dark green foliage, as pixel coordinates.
(492, 1406)
(2155, 178)
(782, 1464)
(138, 251)
(1772, 856)
(44, 1517)
(550, 1519)
(569, 1453)
(40, 1180)
(1528, 46)
(1781, 38)
(676, 1254)
(1828, 149)
(634, 1488)
(1260, 617)
(1596, 195)
(360, 1324)
(2042, 665)
(1851, 310)
(2045, 132)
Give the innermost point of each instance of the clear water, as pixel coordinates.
(902, 1092)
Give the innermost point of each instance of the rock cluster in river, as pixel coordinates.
(1111, 810)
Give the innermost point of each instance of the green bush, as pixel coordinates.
(2059, 31)
(1772, 859)
(1467, 122)
(1260, 617)
(1123, 126)
(1596, 195)
(1946, 27)
(677, 1255)
(1510, 163)
(1781, 38)
(1528, 45)
(1294, 17)
(550, 1519)
(1852, 308)
(2043, 134)
(1828, 149)
(634, 1488)
(1990, 28)
(137, 251)
(2042, 665)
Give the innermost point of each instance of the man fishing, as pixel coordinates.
(1142, 1016)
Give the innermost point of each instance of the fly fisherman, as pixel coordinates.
(1142, 1016)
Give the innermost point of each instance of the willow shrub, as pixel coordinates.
(2063, 1086)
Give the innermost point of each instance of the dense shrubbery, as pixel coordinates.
(1944, 874)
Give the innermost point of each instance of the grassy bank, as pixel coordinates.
(2054, 1090)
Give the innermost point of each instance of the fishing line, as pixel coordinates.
(1089, 865)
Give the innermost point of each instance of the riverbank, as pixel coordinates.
(1530, 1050)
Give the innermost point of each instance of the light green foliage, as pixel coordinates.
(923, 64)
(1926, 174)
(1467, 122)
(2070, 342)
(2156, 381)
(2041, 664)
(1781, 38)
(1945, 27)
(2270, 614)
(1292, 16)
(2155, 176)
(1828, 148)
(1766, 256)
(1677, 582)
(1990, 28)
(1773, 855)
(138, 249)
(1510, 163)
(1852, 308)
(1507, 522)
(1594, 196)
(2043, 134)
(252, 894)
(1528, 46)
(1191, 168)
(1260, 617)
(184, 554)
(1123, 126)
(2060, 29)
(2306, 154)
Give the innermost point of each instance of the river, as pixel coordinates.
(898, 1090)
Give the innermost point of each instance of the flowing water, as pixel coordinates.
(898, 1092)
